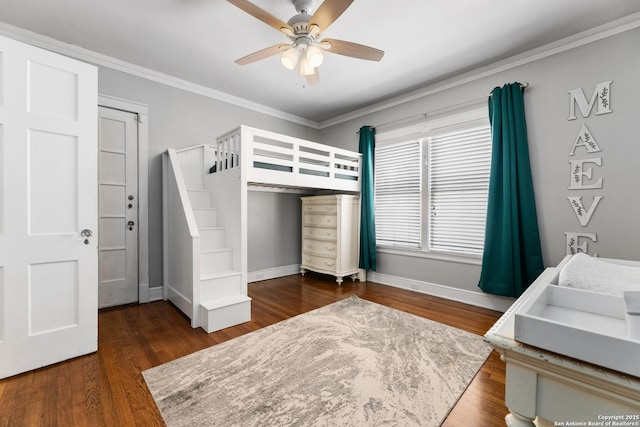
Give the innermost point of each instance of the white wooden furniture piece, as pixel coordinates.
(205, 213)
(331, 235)
(555, 388)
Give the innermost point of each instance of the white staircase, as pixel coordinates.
(205, 269)
(223, 301)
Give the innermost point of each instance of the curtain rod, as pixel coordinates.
(424, 115)
(403, 119)
(523, 86)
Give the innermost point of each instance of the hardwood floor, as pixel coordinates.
(107, 388)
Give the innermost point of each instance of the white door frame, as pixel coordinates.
(144, 293)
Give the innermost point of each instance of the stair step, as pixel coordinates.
(219, 274)
(214, 261)
(199, 198)
(206, 217)
(220, 285)
(225, 312)
(211, 238)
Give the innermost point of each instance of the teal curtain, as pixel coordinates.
(512, 256)
(367, 210)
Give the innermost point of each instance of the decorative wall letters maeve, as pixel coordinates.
(581, 171)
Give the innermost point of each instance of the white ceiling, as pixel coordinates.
(425, 41)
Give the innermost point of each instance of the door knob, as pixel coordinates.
(131, 224)
(86, 233)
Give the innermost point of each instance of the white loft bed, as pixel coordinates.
(241, 160)
(272, 159)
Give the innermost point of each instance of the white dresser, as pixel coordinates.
(331, 235)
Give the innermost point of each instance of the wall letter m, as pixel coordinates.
(601, 97)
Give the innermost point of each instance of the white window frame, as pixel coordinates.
(422, 131)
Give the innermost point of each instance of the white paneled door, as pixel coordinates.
(48, 215)
(118, 207)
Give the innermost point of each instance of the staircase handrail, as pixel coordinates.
(177, 220)
(182, 193)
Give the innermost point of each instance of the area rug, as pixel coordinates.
(351, 363)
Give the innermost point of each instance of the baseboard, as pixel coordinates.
(478, 299)
(181, 301)
(155, 294)
(273, 273)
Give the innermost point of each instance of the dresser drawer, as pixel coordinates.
(319, 208)
(319, 247)
(319, 262)
(320, 233)
(320, 220)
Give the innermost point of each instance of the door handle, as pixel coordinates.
(86, 233)
(131, 224)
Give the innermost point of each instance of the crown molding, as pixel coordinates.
(597, 33)
(106, 61)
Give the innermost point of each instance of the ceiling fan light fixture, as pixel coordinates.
(290, 58)
(314, 55)
(305, 48)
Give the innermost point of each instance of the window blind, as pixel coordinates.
(459, 166)
(398, 189)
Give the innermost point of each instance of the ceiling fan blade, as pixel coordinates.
(260, 14)
(314, 78)
(328, 12)
(354, 50)
(261, 54)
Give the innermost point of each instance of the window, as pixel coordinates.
(398, 194)
(431, 185)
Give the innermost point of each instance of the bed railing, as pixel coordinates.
(269, 158)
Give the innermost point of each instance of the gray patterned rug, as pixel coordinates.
(351, 363)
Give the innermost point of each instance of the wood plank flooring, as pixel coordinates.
(107, 388)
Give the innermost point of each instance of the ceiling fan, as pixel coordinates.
(304, 50)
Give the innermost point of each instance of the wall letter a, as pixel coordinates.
(585, 139)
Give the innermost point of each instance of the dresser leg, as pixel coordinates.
(339, 280)
(516, 420)
(302, 271)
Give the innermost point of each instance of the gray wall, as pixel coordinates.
(551, 137)
(274, 224)
(178, 118)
